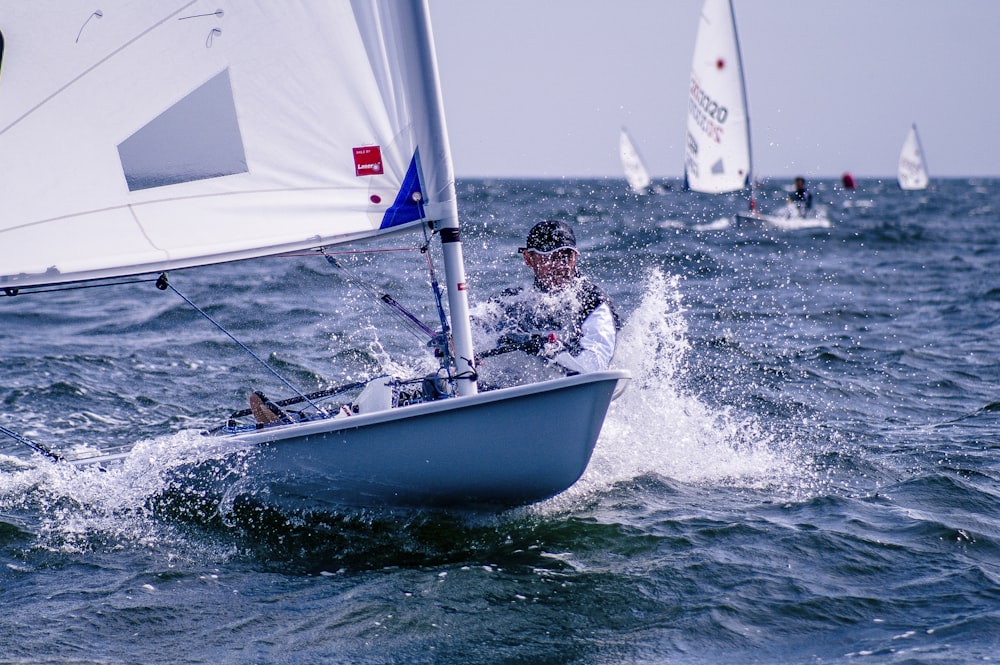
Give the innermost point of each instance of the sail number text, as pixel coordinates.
(706, 112)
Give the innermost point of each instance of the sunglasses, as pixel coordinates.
(562, 253)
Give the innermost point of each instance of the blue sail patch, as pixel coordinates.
(409, 203)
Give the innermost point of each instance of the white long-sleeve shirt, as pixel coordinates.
(597, 343)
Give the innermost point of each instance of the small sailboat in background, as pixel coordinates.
(717, 150)
(912, 172)
(175, 142)
(635, 169)
(718, 157)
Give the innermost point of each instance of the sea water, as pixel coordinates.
(804, 467)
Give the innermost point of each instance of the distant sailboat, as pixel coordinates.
(912, 173)
(635, 171)
(718, 158)
(717, 154)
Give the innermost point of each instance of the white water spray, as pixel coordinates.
(656, 428)
(73, 507)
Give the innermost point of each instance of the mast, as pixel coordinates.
(743, 90)
(439, 187)
(746, 110)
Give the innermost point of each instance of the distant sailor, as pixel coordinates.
(802, 199)
(564, 320)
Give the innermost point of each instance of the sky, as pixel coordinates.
(540, 88)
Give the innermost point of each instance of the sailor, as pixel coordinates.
(562, 325)
(563, 318)
(802, 199)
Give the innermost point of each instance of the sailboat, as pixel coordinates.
(184, 133)
(635, 169)
(912, 172)
(717, 156)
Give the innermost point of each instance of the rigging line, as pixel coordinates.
(37, 447)
(14, 291)
(445, 342)
(375, 251)
(353, 252)
(162, 283)
(394, 306)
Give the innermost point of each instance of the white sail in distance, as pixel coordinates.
(717, 147)
(148, 136)
(632, 164)
(912, 172)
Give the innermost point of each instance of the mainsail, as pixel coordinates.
(148, 136)
(635, 171)
(717, 153)
(912, 172)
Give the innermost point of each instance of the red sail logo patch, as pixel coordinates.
(368, 160)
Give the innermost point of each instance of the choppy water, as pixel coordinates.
(804, 469)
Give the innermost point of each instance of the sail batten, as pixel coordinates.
(187, 133)
(717, 148)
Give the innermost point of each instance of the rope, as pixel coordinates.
(415, 324)
(162, 283)
(37, 447)
(447, 351)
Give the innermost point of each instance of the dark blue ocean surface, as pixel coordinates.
(804, 468)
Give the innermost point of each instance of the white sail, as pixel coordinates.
(912, 173)
(717, 153)
(147, 136)
(635, 171)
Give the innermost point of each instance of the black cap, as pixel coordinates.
(549, 236)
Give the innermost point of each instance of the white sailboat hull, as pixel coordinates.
(786, 218)
(503, 448)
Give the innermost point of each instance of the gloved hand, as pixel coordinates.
(552, 346)
(530, 344)
(546, 346)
